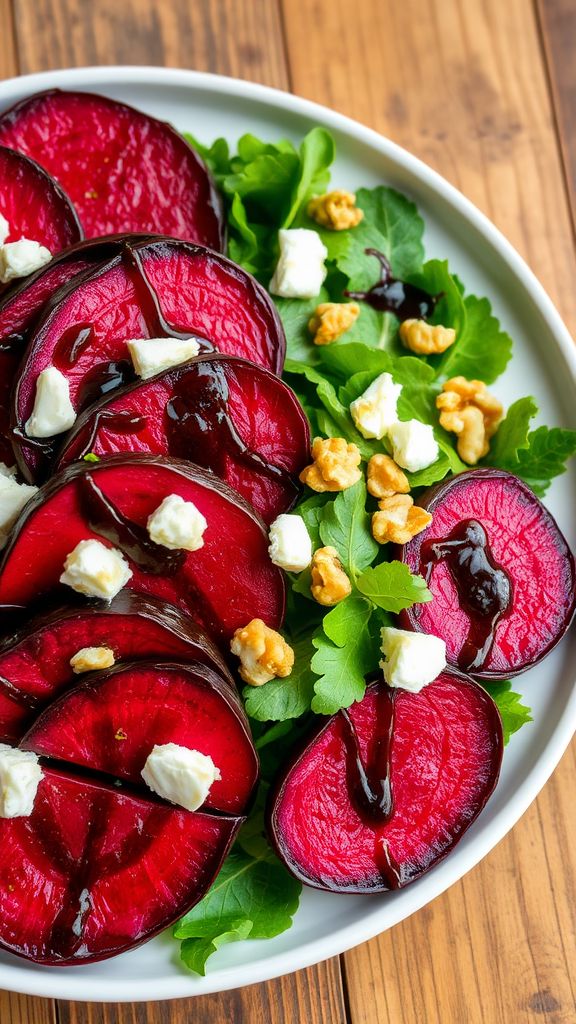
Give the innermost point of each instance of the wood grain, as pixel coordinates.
(8, 50)
(15, 1009)
(558, 29)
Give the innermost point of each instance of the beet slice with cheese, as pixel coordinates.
(501, 572)
(223, 413)
(387, 788)
(111, 722)
(124, 170)
(223, 585)
(96, 870)
(156, 289)
(35, 663)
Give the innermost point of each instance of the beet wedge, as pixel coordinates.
(124, 170)
(155, 289)
(502, 575)
(111, 722)
(34, 204)
(223, 585)
(35, 663)
(223, 413)
(96, 870)
(386, 789)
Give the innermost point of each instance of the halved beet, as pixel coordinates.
(505, 586)
(223, 585)
(386, 789)
(34, 204)
(224, 413)
(96, 870)
(35, 663)
(152, 289)
(124, 170)
(111, 722)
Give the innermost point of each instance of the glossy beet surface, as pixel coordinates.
(439, 769)
(226, 414)
(34, 204)
(223, 585)
(525, 544)
(96, 870)
(35, 663)
(111, 722)
(123, 170)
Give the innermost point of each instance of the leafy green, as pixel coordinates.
(482, 350)
(91, 457)
(393, 587)
(345, 525)
(514, 714)
(344, 655)
(281, 699)
(535, 456)
(512, 433)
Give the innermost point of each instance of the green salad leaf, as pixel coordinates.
(282, 699)
(513, 713)
(535, 456)
(393, 587)
(345, 525)
(344, 655)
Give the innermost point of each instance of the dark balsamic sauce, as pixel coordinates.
(484, 588)
(116, 423)
(107, 521)
(104, 378)
(390, 295)
(12, 343)
(17, 696)
(72, 344)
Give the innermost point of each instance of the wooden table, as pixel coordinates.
(485, 91)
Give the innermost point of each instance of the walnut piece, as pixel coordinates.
(336, 210)
(335, 465)
(89, 659)
(264, 653)
(468, 410)
(385, 477)
(330, 583)
(426, 339)
(331, 320)
(398, 520)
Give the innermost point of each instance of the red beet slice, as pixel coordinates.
(124, 170)
(226, 414)
(35, 663)
(154, 289)
(96, 870)
(223, 585)
(420, 791)
(111, 722)
(34, 204)
(526, 553)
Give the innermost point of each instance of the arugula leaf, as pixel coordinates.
(216, 156)
(545, 457)
(345, 525)
(281, 699)
(317, 153)
(393, 587)
(482, 349)
(392, 225)
(295, 314)
(514, 714)
(344, 655)
(512, 434)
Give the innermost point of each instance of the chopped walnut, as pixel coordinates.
(331, 320)
(385, 478)
(89, 659)
(335, 465)
(263, 653)
(470, 411)
(424, 338)
(398, 520)
(336, 210)
(330, 583)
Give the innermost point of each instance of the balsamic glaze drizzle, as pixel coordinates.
(390, 295)
(122, 422)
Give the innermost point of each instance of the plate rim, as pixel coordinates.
(51, 983)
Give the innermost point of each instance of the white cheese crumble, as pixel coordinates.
(300, 270)
(4, 229)
(96, 570)
(91, 659)
(152, 355)
(180, 775)
(53, 412)
(290, 545)
(376, 410)
(412, 660)
(19, 259)
(13, 498)
(414, 446)
(177, 524)
(20, 776)
(7, 470)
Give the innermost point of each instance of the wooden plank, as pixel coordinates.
(8, 55)
(16, 1009)
(558, 27)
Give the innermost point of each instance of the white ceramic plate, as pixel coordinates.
(544, 364)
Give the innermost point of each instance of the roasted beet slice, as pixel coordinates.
(223, 585)
(226, 414)
(501, 573)
(124, 170)
(35, 663)
(111, 722)
(153, 289)
(386, 789)
(34, 204)
(96, 870)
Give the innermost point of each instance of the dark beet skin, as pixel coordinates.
(111, 722)
(123, 170)
(96, 870)
(34, 204)
(35, 662)
(445, 757)
(223, 413)
(223, 585)
(526, 542)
